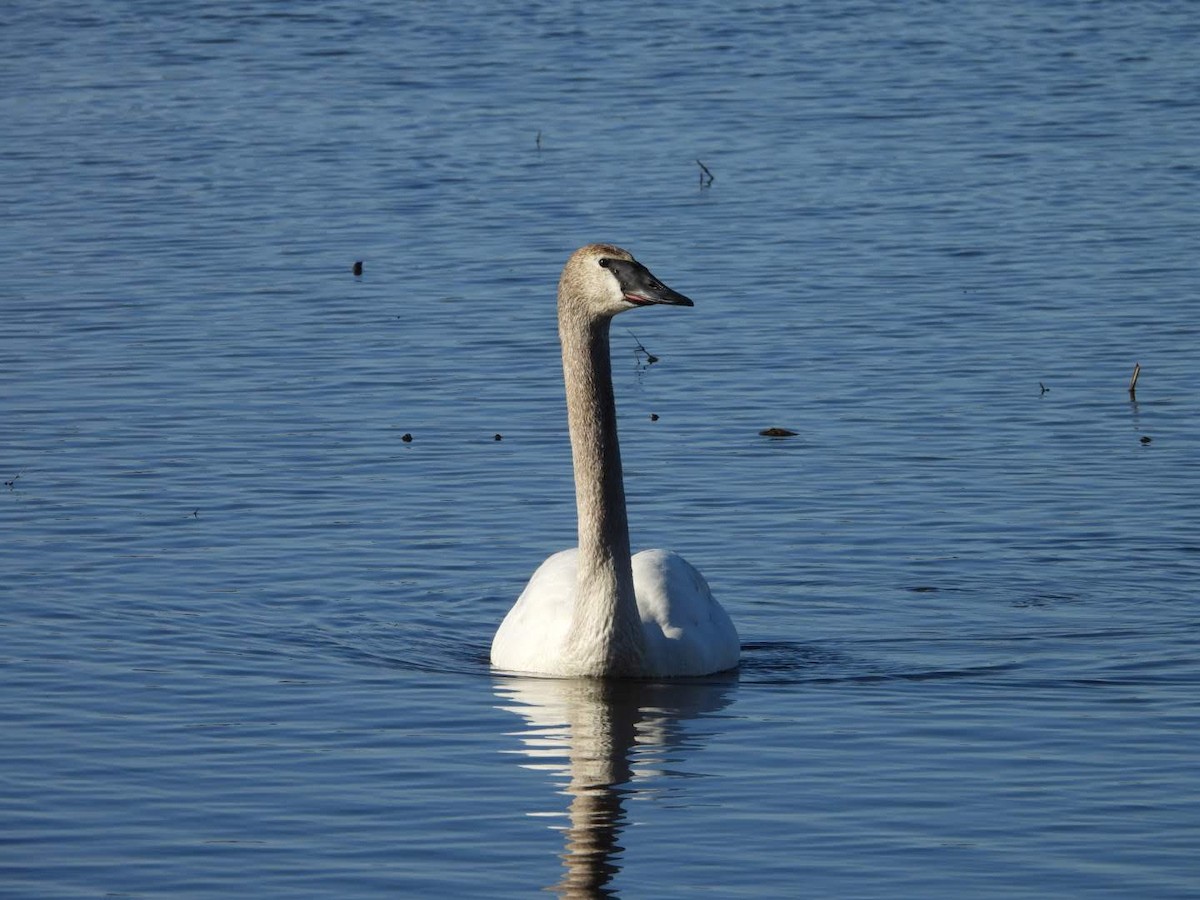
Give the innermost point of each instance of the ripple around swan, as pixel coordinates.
(788, 662)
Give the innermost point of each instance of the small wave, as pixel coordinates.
(792, 662)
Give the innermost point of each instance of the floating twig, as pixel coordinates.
(12, 484)
(1137, 370)
(539, 140)
(705, 174)
(651, 359)
(1043, 387)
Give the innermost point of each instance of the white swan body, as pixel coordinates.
(595, 610)
(684, 630)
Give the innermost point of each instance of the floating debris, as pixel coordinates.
(651, 359)
(653, 417)
(358, 267)
(777, 432)
(406, 437)
(1043, 387)
(1137, 370)
(706, 177)
(497, 437)
(1146, 439)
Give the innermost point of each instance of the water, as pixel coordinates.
(245, 624)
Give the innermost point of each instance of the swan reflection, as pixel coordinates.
(598, 739)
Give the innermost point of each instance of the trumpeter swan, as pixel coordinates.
(594, 610)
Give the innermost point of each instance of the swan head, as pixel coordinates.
(603, 280)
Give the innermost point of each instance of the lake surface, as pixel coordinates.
(244, 624)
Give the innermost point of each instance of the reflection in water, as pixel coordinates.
(593, 734)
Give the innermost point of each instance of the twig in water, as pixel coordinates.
(539, 140)
(1137, 370)
(651, 359)
(705, 173)
(1043, 387)
(12, 484)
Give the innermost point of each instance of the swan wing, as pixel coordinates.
(532, 635)
(687, 632)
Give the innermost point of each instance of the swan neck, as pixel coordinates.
(607, 607)
(592, 419)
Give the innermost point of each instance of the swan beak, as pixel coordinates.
(641, 288)
(660, 294)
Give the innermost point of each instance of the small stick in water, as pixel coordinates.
(651, 359)
(1137, 370)
(704, 173)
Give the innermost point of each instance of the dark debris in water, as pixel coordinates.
(641, 351)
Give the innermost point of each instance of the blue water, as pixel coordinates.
(244, 624)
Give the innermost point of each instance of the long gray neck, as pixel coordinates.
(607, 631)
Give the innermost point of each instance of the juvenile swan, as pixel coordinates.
(593, 610)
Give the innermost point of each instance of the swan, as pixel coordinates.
(595, 611)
